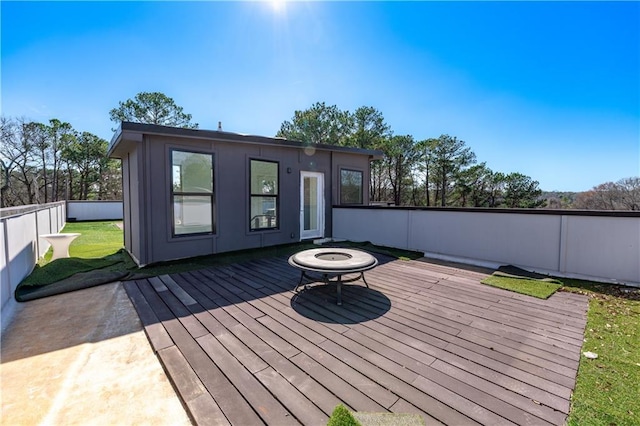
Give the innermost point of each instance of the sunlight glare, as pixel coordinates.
(277, 5)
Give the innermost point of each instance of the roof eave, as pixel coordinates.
(128, 129)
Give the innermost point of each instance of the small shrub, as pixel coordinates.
(342, 417)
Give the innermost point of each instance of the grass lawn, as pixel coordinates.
(98, 239)
(535, 288)
(99, 247)
(608, 387)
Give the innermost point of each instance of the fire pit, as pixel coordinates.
(333, 262)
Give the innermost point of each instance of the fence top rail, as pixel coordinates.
(556, 212)
(93, 201)
(8, 212)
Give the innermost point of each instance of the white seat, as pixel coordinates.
(60, 243)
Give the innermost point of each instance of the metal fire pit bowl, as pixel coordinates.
(333, 262)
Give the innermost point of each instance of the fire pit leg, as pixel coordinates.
(302, 275)
(339, 290)
(365, 281)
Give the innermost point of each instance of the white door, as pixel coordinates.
(311, 205)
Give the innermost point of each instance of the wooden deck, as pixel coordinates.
(242, 348)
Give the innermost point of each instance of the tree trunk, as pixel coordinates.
(444, 189)
(426, 184)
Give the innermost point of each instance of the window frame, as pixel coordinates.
(346, 169)
(275, 196)
(173, 193)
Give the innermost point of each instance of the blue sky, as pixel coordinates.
(548, 89)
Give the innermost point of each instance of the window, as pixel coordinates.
(192, 193)
(264, 195)
(350, 187)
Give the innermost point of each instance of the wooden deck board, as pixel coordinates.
(241, 347)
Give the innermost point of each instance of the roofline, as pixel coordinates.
(154, 129)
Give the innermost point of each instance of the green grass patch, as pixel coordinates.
(97, 239)
(341, 416)
(607, 387)
(60, 269)
(100, 246)
(530, 287)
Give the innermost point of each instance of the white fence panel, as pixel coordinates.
(605, 247)
(21, 247)
(601, 247)
(5, 281)
(94, 210)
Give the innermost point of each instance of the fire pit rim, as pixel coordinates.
(357, 262)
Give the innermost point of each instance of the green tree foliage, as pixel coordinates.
(521, 191)
(369, 128)
(152, 108)
(370, 131)
(320, 124)
(472, 186)
(424, 167)
(50, 162)
(433, 171)
(59, 134)
(496, 184)
(400, 155)
(86, 157)
(450, 157)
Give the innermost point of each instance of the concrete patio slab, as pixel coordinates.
(83, 358)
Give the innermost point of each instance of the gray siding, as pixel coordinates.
(147, 194)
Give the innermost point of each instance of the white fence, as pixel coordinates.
(94, 210)
(599, 246)
(21, 246)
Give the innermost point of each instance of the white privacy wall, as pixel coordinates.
(603, 248)
(21, 247)
(94, 210)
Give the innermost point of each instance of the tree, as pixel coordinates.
(450, 156)
(320, 124)
(425, 156)
(60, 134)
(110, 182)
(496, 183)
(433, 171)
(629, 193)
(400, 157)
(41, 144)
(521, 192)
(369, 128)
(152, 108)
(85, 157)
(7, 160)
(40, 162)
(472, 186)
(20, 186)
(621, 195)
(370, 132)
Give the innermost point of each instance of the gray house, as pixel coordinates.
(198, 192)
